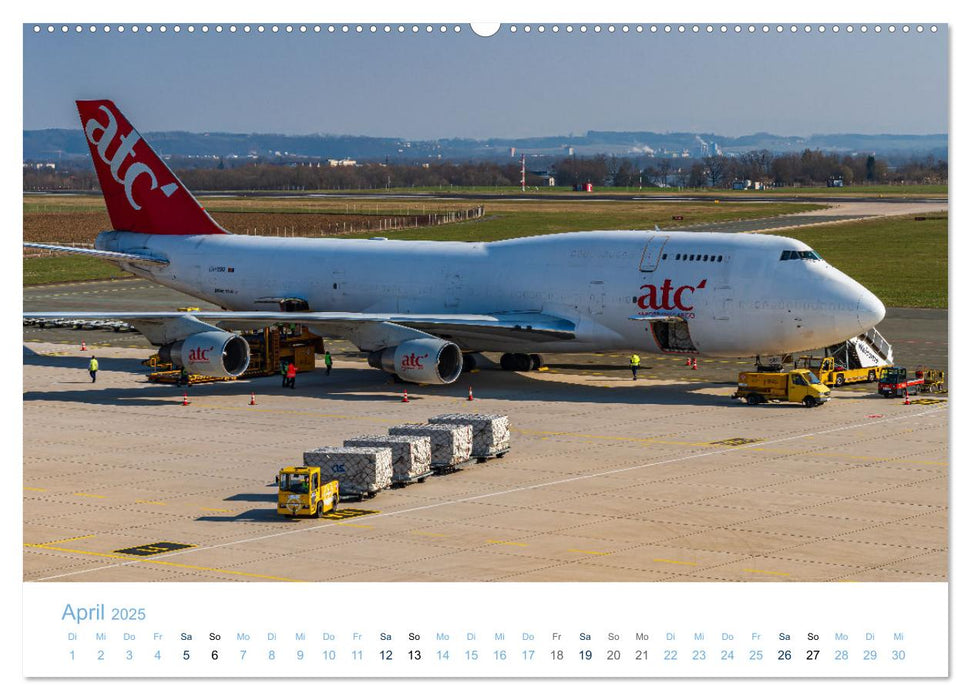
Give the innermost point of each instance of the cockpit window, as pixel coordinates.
(800, 255)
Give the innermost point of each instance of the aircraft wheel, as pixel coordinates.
(506, 361)
(523, 363)
(536, 361)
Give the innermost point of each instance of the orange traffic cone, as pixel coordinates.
(84, 348)
(185, 399)
(694, 364)
(252, 398)
(906, 397)
(470, 394)
(404, 399)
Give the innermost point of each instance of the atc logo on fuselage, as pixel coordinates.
(661, 298)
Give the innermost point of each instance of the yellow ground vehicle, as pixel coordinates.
(799, 386)
(303, 492)
(831, 373)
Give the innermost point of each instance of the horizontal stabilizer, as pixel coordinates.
(103, 254)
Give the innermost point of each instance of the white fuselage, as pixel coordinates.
(735, 292)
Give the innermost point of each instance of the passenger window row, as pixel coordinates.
(695, 257)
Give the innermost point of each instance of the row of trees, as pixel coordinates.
(809, 168)
(806, 169)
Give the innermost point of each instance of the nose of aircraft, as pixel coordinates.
(869, 310)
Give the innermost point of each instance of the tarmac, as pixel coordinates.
(608, 479)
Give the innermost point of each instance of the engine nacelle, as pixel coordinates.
(423, 361)
(213, 353)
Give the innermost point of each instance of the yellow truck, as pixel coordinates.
(302, 491)
(831, 373)
(798, 386)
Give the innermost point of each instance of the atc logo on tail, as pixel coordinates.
(142, 194)
(125, 148)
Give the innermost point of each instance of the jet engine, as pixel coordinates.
(213, 353)
(423, 361)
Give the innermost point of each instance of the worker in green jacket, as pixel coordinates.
(93, 368)
(328, 362)
(635, 362)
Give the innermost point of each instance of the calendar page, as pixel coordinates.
(366, 345)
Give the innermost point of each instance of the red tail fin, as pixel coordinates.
(141, 193)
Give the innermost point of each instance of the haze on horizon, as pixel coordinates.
(445, 85)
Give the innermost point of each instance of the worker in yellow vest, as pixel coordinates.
(635, 362)
(93, 368)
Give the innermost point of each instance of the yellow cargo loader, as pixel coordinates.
(303, 492)
(798, 386)
(831, 373)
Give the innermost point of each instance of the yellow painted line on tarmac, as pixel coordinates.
(33, 488)
(511, 544)
(153, 503)
(67, 539)
(428, 534)
(88, 495)
(588, 551)
(675, 561)
(769, 573)
(215, 510)
(163, 563)
(354, 525)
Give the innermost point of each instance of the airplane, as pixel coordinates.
(420, 309)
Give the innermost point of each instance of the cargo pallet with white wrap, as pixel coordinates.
(360, 471)
(490, 432)
(451, 445)
(411, 455)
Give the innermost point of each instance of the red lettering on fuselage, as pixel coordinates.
(667, 301)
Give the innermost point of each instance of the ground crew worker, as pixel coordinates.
(328, 361)
(635, 362)
(283, 372)
(183, 377)
(93, 368)
(291, 375)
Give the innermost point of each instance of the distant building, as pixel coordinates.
(343, 162)
(747, 185)
(835, 181)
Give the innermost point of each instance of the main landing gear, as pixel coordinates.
(520, 362)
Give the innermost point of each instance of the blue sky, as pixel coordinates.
(431, 85)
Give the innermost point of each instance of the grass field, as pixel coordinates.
(68, 268)
(903, 261)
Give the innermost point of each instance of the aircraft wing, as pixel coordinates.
(108, 255)
(535, 327)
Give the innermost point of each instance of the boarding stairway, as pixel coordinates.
(868, 349)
